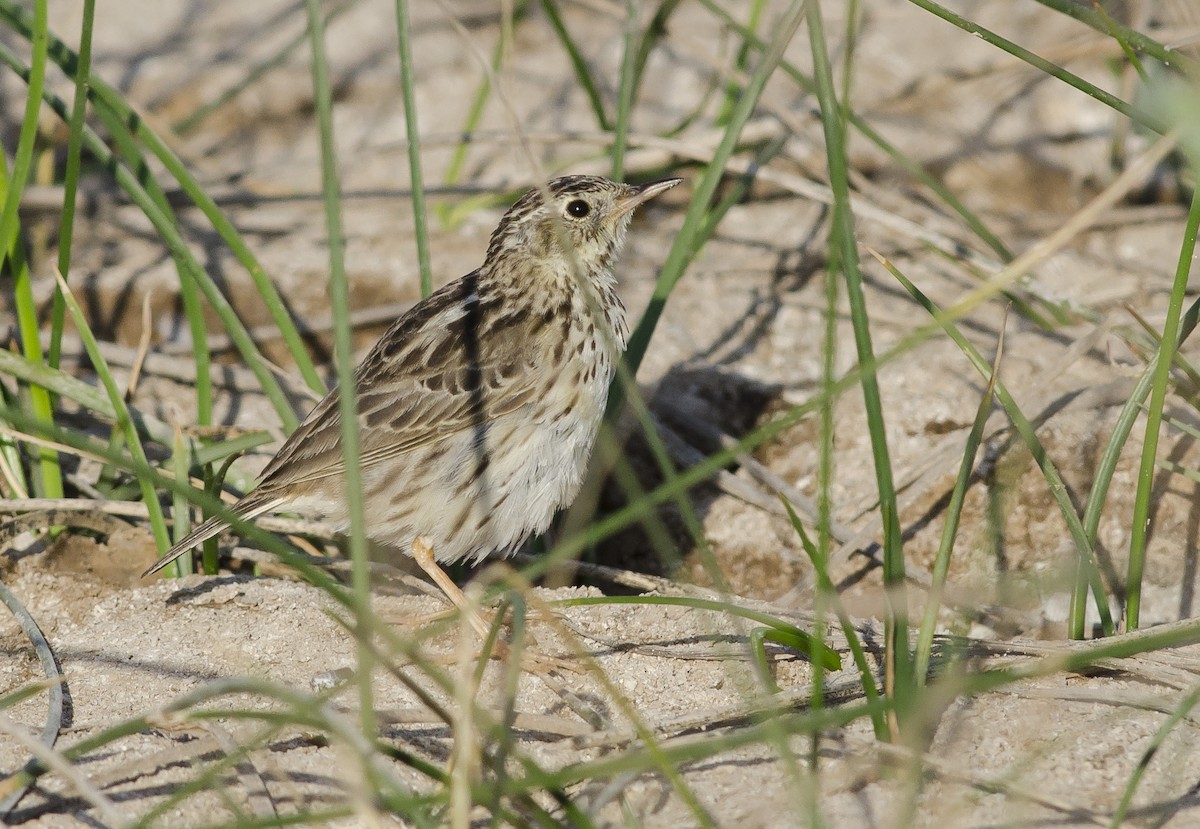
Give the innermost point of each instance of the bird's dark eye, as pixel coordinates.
(578, 208)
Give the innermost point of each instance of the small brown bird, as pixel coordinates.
(478, 408)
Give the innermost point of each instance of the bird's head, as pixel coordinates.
(573, 222)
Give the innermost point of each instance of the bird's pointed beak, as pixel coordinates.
(638, 193)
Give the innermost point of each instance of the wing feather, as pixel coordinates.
(454, 362)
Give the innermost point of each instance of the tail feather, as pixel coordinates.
(247, 509)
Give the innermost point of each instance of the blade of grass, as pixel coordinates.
(454, 170)
(83, 68)
(688, 240)
(126, 146)
(220, 450)
(655, 31)
(12, 261)
(339, 294)
(413, 133)
(23, 158)
(1085, 13)
(181, 461)
(898, 656)
(626, 89)
(941, 562)
(853, 22)
(582, 74)
(741, 59)
(1106, 468)
(819, 553)
(1158, 393)
(735, 194)
(1114, 31)
(158, 524)
(1191, 374)
(47, 479)
(12, 467)
(635, 54)
(826, 587)
(827, 434)
(474, 114)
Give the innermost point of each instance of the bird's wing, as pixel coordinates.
(454, 362)
(250, 507)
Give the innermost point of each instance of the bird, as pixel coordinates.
(479, 407)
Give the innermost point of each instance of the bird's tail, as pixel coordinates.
(247, 509)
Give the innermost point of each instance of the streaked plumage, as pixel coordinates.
(478, 408)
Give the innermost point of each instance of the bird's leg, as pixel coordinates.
(422, 553)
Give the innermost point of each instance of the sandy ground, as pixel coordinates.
(739, 341)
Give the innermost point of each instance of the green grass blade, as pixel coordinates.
(420, 228)
(126, 146)
(655, 31)
(13, 471)
(582, 73)
(636, 51)
(741, 58)
(688, 240)
(71, 174)
(339, 294)
(35, 81)
(1115, 32)
(1130, 412)
(475, 113)
(818, 553)
(1158, 394)
(941, 562)
(626, 89)
(459, 159)
(1088, 14)
(181, 464)
(14, 264)
(47, 478)
(125, 424)
(899, 657)
(829, 591)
